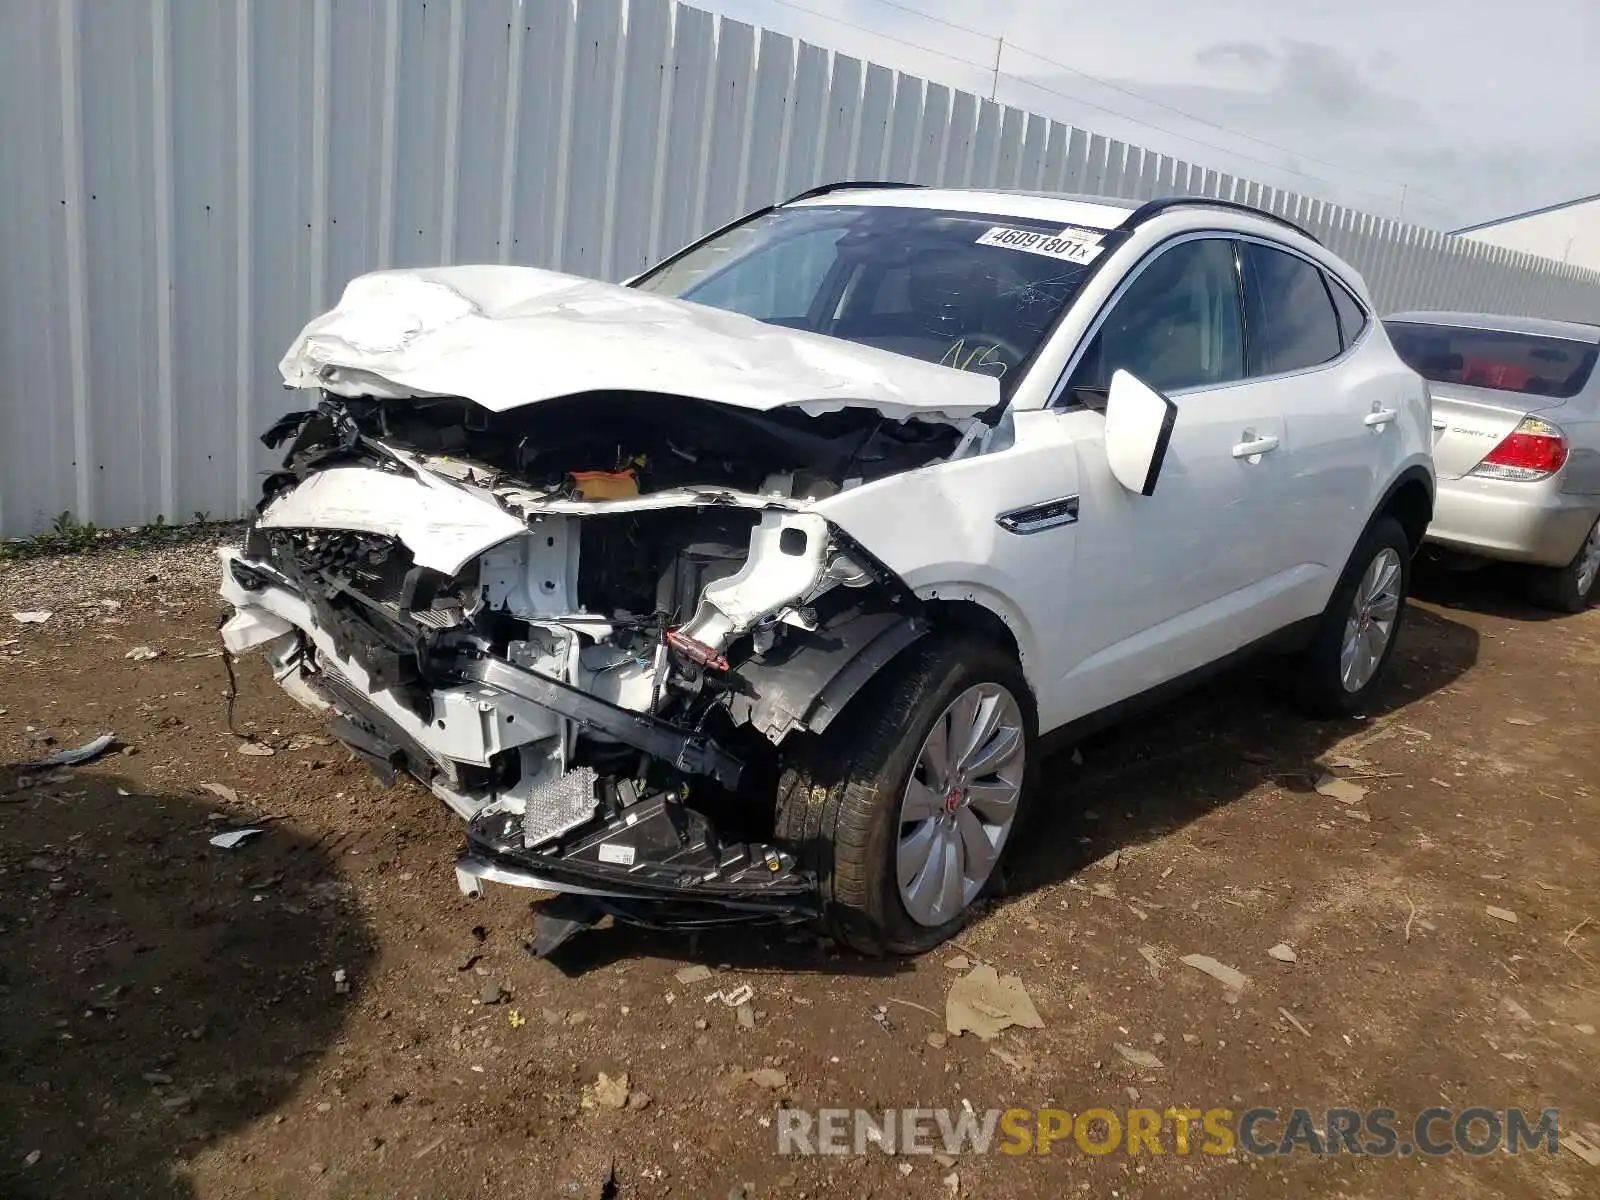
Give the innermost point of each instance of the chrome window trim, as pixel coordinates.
(1194, 235)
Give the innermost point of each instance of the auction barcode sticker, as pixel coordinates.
(1070, 245)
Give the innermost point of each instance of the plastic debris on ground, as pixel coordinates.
(235, 837)
(1233, 981)
(1341, 790)
(1583, 1147)
(1293, 1020)
(76, 757)
(1139, 1058)
(37, 617)
(984, 1002)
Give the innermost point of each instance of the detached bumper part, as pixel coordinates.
(657, 862)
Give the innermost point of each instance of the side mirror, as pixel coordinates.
(1139, 423)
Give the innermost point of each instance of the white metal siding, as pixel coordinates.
(185, 182)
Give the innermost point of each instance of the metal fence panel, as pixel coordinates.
(187, 181)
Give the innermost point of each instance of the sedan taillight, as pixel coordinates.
(1535, 449)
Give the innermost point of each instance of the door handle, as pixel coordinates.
(1253, 445)
(1380, 416)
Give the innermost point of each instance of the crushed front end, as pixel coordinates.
(590, 626)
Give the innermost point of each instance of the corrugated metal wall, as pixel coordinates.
(184, 182)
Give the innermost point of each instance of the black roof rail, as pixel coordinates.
(845, 185)
(1154, 208)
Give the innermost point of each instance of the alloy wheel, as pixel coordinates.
(1370, 625)
(959, 804)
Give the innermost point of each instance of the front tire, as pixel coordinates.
(1570, 588)
(906, 804)
(1345, 663)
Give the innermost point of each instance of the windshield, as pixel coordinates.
(1491, 358)
(978, 293)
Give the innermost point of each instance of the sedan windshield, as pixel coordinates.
(1510, 362)
(978, 293)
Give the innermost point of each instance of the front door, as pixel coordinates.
(1166, 583)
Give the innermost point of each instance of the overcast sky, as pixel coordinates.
(1481, 108)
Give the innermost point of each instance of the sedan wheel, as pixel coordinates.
(959, 803)
(1570, 588)
(1371, 621)
(1589, 561)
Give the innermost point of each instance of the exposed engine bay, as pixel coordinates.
(590, 625)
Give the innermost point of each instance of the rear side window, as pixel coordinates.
(1509, 362)
(1289, 314)
(1352, 317)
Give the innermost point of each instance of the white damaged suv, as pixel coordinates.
(754, 588)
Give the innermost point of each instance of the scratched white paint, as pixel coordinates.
(185, 182)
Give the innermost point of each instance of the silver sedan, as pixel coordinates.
(1516, 442)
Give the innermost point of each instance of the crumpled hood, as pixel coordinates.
(508, 336)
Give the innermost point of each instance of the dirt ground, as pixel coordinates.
(171, 1024)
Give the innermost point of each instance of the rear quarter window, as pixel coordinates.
(1352, 317)
(1290, 316)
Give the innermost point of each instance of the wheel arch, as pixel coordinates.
(970, 616)
(808, 691)
(1409, 500)
(974, 609)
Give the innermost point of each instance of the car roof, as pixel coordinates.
(1501, 323)
(1096, 212)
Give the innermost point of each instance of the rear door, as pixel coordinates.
(1312, 349)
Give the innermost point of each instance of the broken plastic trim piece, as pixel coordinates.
(474, 870)
(807, 684)
(75, 757)
(559, 918)
(689, 752)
